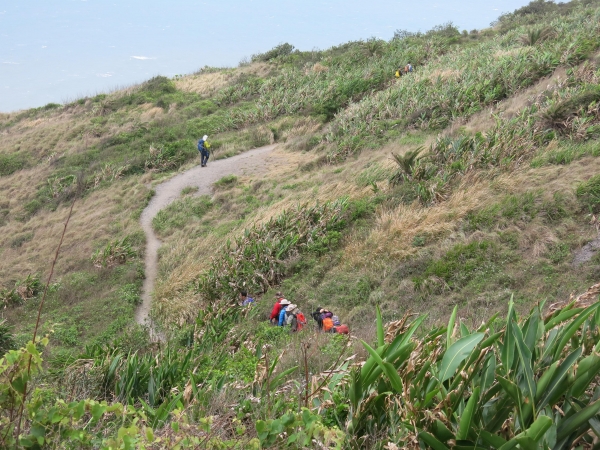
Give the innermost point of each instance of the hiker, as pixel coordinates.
(245, 300)
(298, 319)
(324, 319)
(274, 317)
(203, 147)
(289, 314)
(398, 73)
(408, 68)
(284, 304)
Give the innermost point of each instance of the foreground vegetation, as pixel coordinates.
(465, 193)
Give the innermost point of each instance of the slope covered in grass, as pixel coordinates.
(444, 194)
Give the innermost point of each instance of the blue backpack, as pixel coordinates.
(200, 145)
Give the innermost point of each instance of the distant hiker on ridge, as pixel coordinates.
(203, 147)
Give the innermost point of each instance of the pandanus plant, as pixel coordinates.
(530, 385)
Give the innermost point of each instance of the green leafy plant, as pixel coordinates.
(114, 253)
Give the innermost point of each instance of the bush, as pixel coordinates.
(461, 264)
(7, 339)
(276, 52)
(588, 194)
(9, 164)
(114, 253)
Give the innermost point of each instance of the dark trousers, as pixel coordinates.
(203, 157)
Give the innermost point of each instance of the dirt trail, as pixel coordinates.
(251, 162)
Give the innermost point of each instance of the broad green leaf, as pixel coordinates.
(389, 370)
(464, 331)
(573, 423)
(457, 353)
(508, 344)
(561, 317)
(450, 329)
(543, 381)
(587, 370)
(441, 432)
(467, 415)
(431, 441)
(534, 433)
(570, 330)
(595, 425)
(380, 330)
(490, 439)
(554, 387)
(489, 372)
(525, 360)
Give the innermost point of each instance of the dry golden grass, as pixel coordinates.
(96, 219)
(209, 83)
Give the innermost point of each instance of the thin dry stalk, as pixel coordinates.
(37, 323)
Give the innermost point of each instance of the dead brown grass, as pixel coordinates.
(209, 83)
(95, 219)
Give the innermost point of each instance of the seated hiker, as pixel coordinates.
(244, 299)
(295, 318)
(326, 320)
(289, 313)
(316, 315)
(398, 73)
(284, 304)
(274, 317)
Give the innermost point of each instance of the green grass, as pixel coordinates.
(180, 213)
(588, 194)
(566, 153)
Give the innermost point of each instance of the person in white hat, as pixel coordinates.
(203, 147)
(284, 304)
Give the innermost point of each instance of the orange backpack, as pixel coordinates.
(327, 324)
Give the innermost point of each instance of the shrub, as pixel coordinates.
(276, 52)
(114, 253)
(9, 164)
(7, 339)
(588, 194)
(461, 264)
(226, 182)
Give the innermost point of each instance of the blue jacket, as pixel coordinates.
(201, 147)
(282, 316)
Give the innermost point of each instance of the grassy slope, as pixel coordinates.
(98, 149)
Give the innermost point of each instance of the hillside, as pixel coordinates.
(459, 200)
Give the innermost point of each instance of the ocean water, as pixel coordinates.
(55, 51)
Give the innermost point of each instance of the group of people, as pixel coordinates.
(285, 313)
(400, 71)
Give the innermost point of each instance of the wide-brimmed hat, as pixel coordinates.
(284, 302)
(205, 137)
(291, 307)
(279, 294)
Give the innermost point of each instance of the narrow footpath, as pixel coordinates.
(252, 162)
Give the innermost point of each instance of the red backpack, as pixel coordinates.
(301, 321)
(342, 329)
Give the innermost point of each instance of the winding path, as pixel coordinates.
(248, 163)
